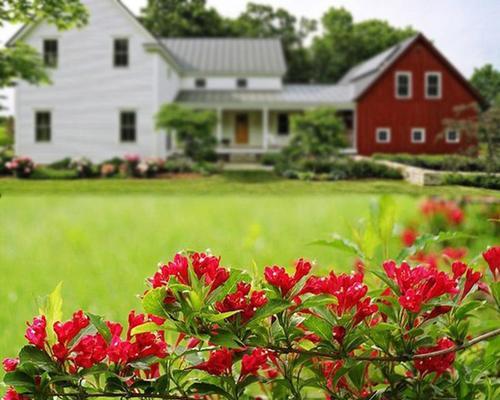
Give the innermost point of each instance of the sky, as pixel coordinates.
(466, 31)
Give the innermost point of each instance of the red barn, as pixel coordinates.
(403, 96)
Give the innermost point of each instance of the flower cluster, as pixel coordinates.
(82, 166)
(438, 364)
(492, 257)
(133, 165)
(447, 210)
(279, 278)
(21, 167)
(241, 300)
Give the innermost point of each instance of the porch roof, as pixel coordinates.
(290, 95)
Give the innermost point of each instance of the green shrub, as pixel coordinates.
(42, 173)
(482, 181)
(271, 159)
(6, 155)
(176, 165)
(65, 163)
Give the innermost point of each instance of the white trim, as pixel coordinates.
(355, 128)
(440, 85)
(457, 140)
(389, 135)
(423, 135)
(409, 75)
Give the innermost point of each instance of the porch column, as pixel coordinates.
(265, 128)
(219, 126)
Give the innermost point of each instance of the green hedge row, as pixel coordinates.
(482, 181)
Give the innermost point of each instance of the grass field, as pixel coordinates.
(102, 243)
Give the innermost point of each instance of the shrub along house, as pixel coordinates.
(111, 77)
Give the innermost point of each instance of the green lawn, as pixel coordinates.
(102, 242)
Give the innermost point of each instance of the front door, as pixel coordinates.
(241, 129)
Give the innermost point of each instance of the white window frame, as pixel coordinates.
(424, 135)
(409, 75)
(440, 85)
(448, 140)
(389, 135)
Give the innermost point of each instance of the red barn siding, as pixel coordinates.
(378, 107)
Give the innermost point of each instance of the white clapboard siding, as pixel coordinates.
(88, 93)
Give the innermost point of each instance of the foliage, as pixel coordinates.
(345, 43)
(441, 162)
(83, 167)
(63, 163)
(318, 135)
(194, 130)
(487, 81)
(6, 155)
(21, 167)
(483, 181)
(21, 61)
(287, 334)
(46, 173)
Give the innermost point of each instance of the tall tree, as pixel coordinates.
(22, 61)
(345, 43)
(184, 18)
(487, 81)
(260, 20)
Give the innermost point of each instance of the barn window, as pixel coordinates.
(418, 135)
(433, 85)
(128, 126)
(241, 83)
(50, 53)
(121, 53)
(283, 124)
(200, 83)
(403, 85)
(383, 135)
(43, 126)
(452, 136)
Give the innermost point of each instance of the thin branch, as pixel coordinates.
(120, 395)
(391, 358)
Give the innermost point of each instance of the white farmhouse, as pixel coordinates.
(110, 77)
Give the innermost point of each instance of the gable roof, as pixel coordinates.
(228, 56)
(363, 75)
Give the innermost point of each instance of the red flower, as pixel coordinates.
(438, 364)
(11, 394)
(240, 300)
(66, 332)
(455, 253)
(411, 300)
(436, 312)
(449, 210)
(251, 363)
(339, 334)
(409, 236)
(10, 364)
(89, 350)
(458, 269)
(219, 363)
(364, 309)
(37, 332)
(471, 278)
(492, 257)
(278, 277)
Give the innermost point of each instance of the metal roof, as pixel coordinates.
(223, 56)
(363, 75)
(289, 95)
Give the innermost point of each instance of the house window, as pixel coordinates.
(200, 83)
(433, 88)
(403, 85)
(50, 53)
(242, 83)
(383, 135)
(43, 126)
(283, 124)
(128, 126)
(121, 53)
(418, 135)
(452, 136)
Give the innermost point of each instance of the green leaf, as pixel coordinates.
(320, 327)
(152, 302)
(204, 388)
(427, 239)
(316, 301)
(226, 339)
(220, 316)
(356, 374)
(145, 328)
(38, 357)
(229, 286)
(273, 307)
(19, 380)
(51, 308)
(339, 243)
(100, 325)
(463, 310)
(388, 281)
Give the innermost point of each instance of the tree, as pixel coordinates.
(346, 43)
(183, 18)
(194, 130)
(487, 81)
(318, 135)
(264, 21)
(21, 61)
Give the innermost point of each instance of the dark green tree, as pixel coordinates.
(345, 43)
(260, 20)
(21, 61)
(184, 18)
(487, 81)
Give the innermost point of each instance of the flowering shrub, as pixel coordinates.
(147, 168)
(108, 170)
(82, 166)
(209, 331)
(21, 167)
